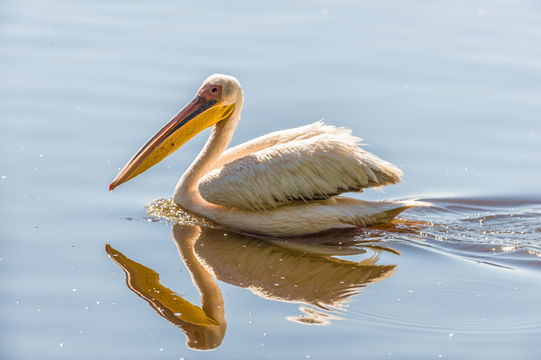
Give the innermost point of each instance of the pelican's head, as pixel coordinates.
(230, 91)
(215, 101)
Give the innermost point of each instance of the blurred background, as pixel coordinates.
(449, 91)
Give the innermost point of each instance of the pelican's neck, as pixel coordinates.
(186, 190)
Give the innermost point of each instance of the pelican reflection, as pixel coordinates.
(305, 271)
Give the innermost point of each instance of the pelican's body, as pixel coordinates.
(282, 184)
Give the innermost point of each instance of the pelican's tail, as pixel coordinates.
(365, 213)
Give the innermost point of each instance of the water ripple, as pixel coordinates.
(502, 232)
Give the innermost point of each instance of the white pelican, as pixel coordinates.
(282, 184)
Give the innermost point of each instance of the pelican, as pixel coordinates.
(286, 183)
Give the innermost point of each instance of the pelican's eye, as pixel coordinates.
(214, 89)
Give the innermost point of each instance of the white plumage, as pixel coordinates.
(282, 184)
(312, 162)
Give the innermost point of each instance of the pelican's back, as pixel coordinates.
(314, 164)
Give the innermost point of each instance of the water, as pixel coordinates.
(449, 92)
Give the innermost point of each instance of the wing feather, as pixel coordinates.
(282, 137)
(302, 168)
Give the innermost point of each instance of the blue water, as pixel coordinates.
(448, 91)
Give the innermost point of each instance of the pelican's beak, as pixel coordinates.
(198, 115)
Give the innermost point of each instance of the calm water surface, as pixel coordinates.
(448, 91)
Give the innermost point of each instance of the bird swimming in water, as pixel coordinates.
(286, 183)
